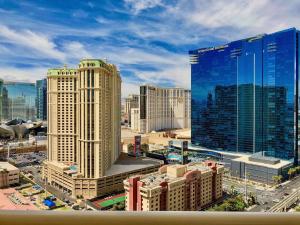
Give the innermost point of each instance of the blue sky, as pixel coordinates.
(147, 39)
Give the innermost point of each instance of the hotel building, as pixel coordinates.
(245, 95)
(163, 108)
(84, 131)
(131, 102)
(175, 188)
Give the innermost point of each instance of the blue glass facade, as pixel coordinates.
(41, 99)
(245, 95)
(21, 100)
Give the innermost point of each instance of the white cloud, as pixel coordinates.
(129, 88)
(236, 19)
(182, 22)
(38, 43)
(22, 74)
(76, 50)
(139, 5)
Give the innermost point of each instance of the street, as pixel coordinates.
(37, 179)
(266, 197)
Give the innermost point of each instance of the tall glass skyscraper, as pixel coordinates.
(22, 98)
(41, 99)
(245, 95)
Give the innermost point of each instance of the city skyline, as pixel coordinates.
(131, 35)
(149, 105)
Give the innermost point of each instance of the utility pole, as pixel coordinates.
(8, 151)
(245, 176)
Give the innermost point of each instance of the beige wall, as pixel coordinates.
(61, 95)
(9, 177)
(88, 187)
(99, 119)
(185, 189)
(166, 108)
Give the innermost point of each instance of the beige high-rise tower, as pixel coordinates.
(84, 131)
(61, 97)
(99, 105)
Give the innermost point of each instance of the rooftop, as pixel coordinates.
(7, 166)
(173, 173)
(126, 163)
(247, 159)
(250, 39)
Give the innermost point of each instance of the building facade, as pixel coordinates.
(175, 188)
(22, 98)
(1, 99)
(61, 99)
(245, 95)
(135, 119)
(41, 99)
(163, 108)
(9, 174)
(131, 102)
(84, 130)
(5, 104)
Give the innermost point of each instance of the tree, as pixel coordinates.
(291, 172)
(145, 148)
(130, 147)
(251, 199)
(118, 207)
(297, 168)
(232, 190)
(277, 179)
(236, 203)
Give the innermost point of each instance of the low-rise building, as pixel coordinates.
(66, 177)
(258, 167)
(9, 174)
(175, 188)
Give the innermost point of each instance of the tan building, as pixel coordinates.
(175, 188)
(9, 174)
(84, 115)
(135, 119)
(131, 102)
(163, 108)
(61, 95)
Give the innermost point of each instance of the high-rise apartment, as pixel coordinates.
(84, 131)
(131, 102)
(175, 188)
(245, 95)
(163, 108)
(41, 99)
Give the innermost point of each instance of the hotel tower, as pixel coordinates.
(84, 130)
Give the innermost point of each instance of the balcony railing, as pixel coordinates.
(145, 218)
